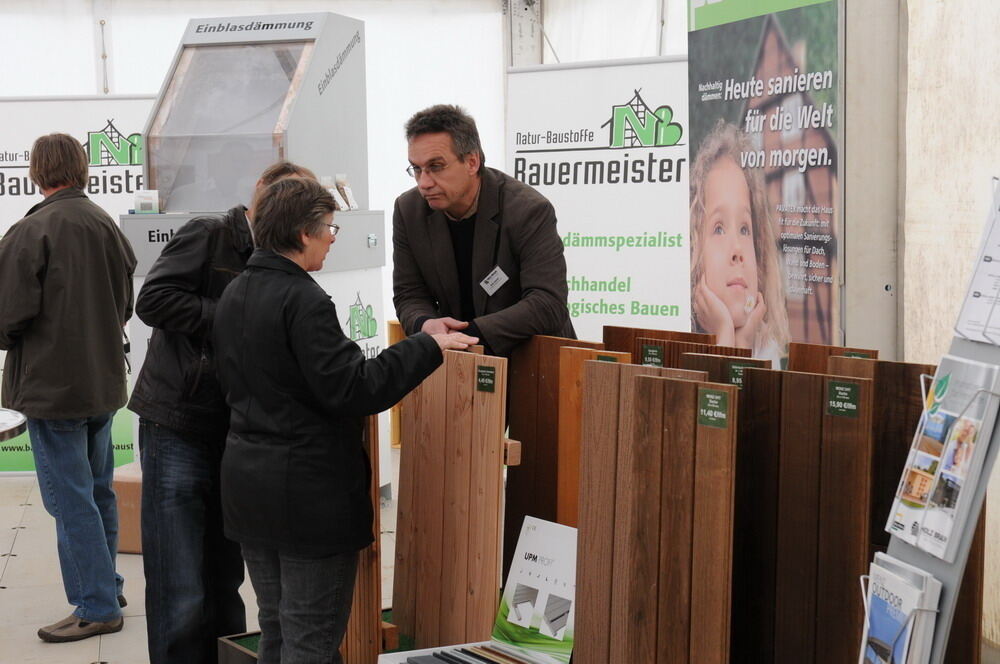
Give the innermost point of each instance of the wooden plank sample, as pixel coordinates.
(965, 639)
(812, 358)
(428, 517)
(756, 519)
(485, 497)
(534, 420)
(680, 403)
(363, 638)
(396, 334)
(455, 544)
(596, 529)
(845, 485)
(712, 539)
(571, 361)
(721, 368)
(622, 339)
(898, 405)
(659, 352)
(798, 506)
(404, 570)
(635, 595)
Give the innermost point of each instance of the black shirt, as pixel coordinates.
(463, 234)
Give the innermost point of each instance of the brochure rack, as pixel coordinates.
(983, 288)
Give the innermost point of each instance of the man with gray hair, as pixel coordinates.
(474, 250)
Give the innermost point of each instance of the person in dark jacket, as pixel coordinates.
(193, 572)
(295, 476)
(65, 294)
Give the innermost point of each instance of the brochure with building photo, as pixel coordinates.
(935, 490)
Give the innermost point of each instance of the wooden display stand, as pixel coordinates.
(532, 487)
(622, 339)
(812, 358)
(447, 574)
(667, 353)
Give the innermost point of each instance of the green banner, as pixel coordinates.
(16, 455)
(729, 11)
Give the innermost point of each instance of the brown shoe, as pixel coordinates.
(73, 628)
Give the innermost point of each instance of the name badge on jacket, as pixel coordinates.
(494, 280)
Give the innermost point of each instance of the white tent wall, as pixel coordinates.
(419, 53)
(580, 30)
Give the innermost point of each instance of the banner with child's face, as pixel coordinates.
(765, 205)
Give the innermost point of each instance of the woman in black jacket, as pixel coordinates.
(295, 476)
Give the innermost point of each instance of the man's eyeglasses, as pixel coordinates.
(334, 229)
(432, 170)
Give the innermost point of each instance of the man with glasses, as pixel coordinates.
(193, 573)
(474, 250)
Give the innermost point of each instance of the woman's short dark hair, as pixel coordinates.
(284, 169)
(452, 120)
(58, 160)
(286, 209)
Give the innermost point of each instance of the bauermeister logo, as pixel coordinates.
(109, 147)
(361, 323)
(635, 124)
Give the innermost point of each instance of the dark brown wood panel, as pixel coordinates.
(404, 570)
(845, 486)
(622, 339)
(531, 486)
(812, 358)
(798, 506)
(635, 595)
(721, 368)
(596, 530)
(756, 518)
(670, 351)
(965, 639)
(712, 541)
(680, 401)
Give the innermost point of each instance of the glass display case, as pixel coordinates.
(213, 132)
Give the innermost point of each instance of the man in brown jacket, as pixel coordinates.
(474, 250)
(65, 294)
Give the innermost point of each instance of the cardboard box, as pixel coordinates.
(128, 489)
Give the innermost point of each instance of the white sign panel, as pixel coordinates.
(110, 130)
(606, 144)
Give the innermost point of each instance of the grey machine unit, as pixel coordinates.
(242, 93)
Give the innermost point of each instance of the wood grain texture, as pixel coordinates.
(845, 488)
(363, 638)
(967, 624)
(676, 520)
(455, 540)
(756, 518)
(719, 367)
(485, 502)
(635, 595)
(712, 540)
(671, 351)
(798, 506)
(571, 361)
(622, 339)
(534, 420)
(898, 403)
(404, 569)
(596, 529)
(428, 519)
(396, 335)
(812, 358)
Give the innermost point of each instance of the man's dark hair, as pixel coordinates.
(58, 160)
(284, 169)
(452, 120)
(286, 209)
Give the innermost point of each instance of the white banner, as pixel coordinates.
(607, 145)
(110, 130)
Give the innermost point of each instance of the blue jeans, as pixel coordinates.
(303, 603)
(193, 573)
(75, 463)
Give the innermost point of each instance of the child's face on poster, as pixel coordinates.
(728, 258)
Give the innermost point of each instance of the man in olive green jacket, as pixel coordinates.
(65, 294)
